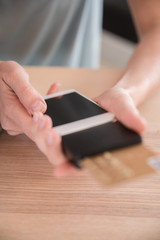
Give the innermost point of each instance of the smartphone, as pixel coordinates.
(72, 112)
(86, 128)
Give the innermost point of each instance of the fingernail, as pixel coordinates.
(38, 106)
(41, 123)
(35, 117)
(58, 85)
(49, 138)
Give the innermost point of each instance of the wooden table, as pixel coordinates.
(36, 206)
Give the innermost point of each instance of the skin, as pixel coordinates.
(140, 78)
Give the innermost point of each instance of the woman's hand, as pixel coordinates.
(118, 101)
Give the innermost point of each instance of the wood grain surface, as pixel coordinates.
(35, 205)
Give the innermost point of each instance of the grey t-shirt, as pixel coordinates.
(51, 32)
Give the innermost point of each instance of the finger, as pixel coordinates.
(122, 106)
(54, 148)
(67, 169)
(130, 117)
(57, 157)
(13, 133)
(48, 140)
(41, 123)
(18, 80)
(51, 147)
(19, 118)
(54, 88)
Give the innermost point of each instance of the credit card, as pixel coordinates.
(122, 165)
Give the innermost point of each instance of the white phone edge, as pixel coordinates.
(83, 124)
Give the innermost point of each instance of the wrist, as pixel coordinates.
(137, 90)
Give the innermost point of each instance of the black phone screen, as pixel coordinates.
(71, 107)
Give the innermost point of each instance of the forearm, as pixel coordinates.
(142, 74)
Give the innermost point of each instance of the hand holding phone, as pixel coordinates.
(85, 135)
(86, 128)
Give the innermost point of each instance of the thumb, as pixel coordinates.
(119, 102)
(18, 80)
(130, 117)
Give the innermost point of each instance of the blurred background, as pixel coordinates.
(119, 36)
(39, 35)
